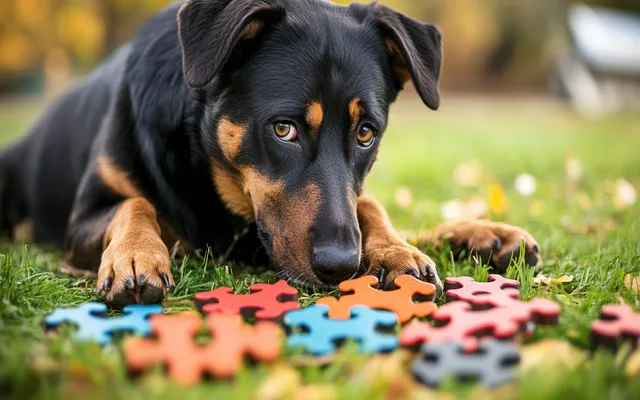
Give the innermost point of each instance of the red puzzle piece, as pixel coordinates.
(361, 292)
(265, 302)
(617, 323)
(186, 361)
(499, 292)
(458, 322)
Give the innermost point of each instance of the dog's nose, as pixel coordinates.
(334, 264)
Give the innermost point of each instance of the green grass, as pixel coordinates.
(420, 151)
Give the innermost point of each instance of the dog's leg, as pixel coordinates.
(385, 253)
(495, 243)
(114, 225)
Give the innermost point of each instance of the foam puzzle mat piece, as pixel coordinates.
(361, 291)
(323, 333)
(498, 292)
(492, 364)
(265, 302)
(457, 321)
(617, 323)
(173, 345)
(94, 325)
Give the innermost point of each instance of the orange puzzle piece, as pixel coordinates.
(401, 301)
(173, 345)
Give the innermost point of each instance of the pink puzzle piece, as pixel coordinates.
(617, 323)
(499, 292)
(458, 322)
(265, 302)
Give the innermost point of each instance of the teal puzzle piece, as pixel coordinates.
(93, 324)
(323, 333)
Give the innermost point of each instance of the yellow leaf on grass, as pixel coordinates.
(633, 364)
(633, 283)
(283, 382)
(497, 199)
(550, 281)
(549, 353)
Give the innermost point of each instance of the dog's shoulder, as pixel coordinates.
(153, 73)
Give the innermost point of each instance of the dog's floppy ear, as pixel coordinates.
(415, 49)
(211, 29)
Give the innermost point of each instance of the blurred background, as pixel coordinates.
(491, 46)
(539, 116)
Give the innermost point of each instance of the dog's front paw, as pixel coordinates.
(387, 261)
(492, 242)
(135, 268)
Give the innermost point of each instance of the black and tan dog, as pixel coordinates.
(244, 125)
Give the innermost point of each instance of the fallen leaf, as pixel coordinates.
(550, 281)
(404, 197)
(573, 168)
(549, 353)
(282, 383)
(633, 364)
(455, 210)
(536, 208)
(633, 283)
(468, 174)
(497, 199)
(313, 392)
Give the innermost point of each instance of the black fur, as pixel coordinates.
(155, 105)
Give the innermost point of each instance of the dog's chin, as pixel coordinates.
(305, 279)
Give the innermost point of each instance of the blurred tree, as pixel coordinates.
(488, 43)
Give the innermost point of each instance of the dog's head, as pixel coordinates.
(297, 94)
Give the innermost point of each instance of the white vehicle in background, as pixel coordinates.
(601, 73)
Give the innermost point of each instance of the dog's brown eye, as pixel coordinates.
(285, 131)
(366, 136)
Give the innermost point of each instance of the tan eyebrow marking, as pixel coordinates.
(315, 115)
(355, 111)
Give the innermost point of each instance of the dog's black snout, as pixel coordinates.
(333, 264)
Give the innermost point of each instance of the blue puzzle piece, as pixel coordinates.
(324, 332)
(93, 324)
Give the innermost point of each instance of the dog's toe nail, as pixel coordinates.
(142, 279)
(129, 283)
(497, 244)
(165, 280)
(107, 285)
(536, 249)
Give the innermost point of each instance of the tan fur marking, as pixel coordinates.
(355, 112)
(315, 115)
(382, 246)
(400, 69)
(290, 224)
(230, 188)
(115, 178)
(252, 29)
(230, 137)
(133, 247)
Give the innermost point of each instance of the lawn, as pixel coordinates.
(587, 227)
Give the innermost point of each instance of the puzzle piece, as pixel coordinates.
(458, 322)
(323, 333)
(499, 292)
(617, 323)
(265, 302)
(360, 292)
(93, 324)
(173, 346)
(492, 364)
